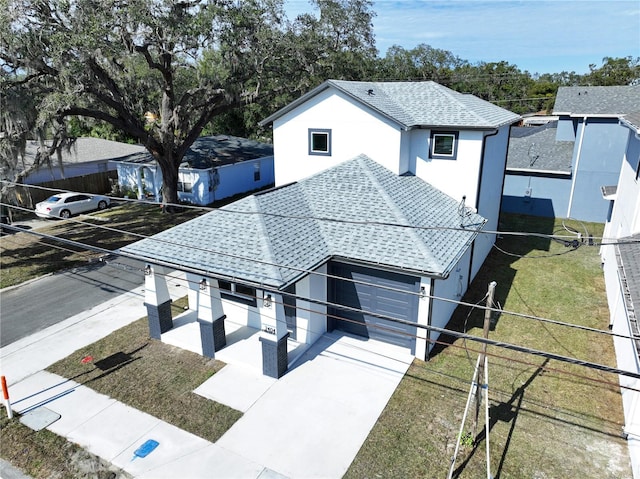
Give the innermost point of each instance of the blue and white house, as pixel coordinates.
(214, 168)
(364, 232)
(620, 255)
(564, 176)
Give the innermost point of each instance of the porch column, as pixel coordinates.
(273, 336)
(210, 317)
(157, 301)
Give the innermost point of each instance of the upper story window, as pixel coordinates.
(444, 144)
(319, 141)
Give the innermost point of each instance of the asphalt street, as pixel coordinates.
(36, 305)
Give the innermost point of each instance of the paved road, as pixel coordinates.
(39, 304)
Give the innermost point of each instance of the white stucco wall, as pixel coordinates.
(456, 178)
(354, 131)
(624, 221)
(452, 288)
(311, 317)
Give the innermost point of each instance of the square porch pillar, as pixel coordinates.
(274, 334)
(210, 317)
(157, 301)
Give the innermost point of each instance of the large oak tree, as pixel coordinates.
(158, 70)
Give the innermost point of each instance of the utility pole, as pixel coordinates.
(483, 354)
(479, 383)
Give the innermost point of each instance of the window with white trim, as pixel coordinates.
(320, 141)
(185, 182)
(443, 144)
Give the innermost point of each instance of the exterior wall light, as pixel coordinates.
(266, 302)
(203, 285)
(423, 292)
(147, 270)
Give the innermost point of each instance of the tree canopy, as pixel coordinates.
(163, 72)
(158, 70)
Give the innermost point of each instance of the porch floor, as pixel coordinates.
(243, 345)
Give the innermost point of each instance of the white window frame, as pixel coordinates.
(454, 146)
(319, 131)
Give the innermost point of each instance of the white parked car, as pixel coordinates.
(66, 204)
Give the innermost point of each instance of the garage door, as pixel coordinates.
(369, 295)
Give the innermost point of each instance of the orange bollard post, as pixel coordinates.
(5, 393)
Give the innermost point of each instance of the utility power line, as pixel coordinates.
(306, 271)
(448, 332)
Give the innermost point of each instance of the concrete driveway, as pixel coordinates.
(311, 422)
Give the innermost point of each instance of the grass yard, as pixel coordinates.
(547, 419)
(152, 376)
(128, 366)
(24, 256)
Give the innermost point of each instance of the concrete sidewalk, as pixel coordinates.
(310, 423)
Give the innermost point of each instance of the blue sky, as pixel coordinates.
(540, 36)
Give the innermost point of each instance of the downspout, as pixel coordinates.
(482, 153)
(575, 173)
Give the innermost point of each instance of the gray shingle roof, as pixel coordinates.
(536, 148)
(357, 210)
(87, 150)
(629, 249)
(216, 150)
(597, 100)
(632, 120)
(414, 104)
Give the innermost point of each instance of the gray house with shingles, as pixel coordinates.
(350, 248)
(540, 181)
(382, 191)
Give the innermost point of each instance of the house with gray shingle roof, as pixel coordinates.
(620, 255)
(376, 225)
(588, 120)
(214, 168)
(454, 141)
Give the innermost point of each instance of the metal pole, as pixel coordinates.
(464, 418)
(483, 354)
(486, 415)
(5, 393)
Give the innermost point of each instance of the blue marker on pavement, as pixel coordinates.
(145, 449)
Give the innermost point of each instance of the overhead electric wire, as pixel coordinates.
(299, 270)
(516, 348)
(404, 333)
(560, 238)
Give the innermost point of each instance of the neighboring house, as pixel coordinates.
(89, 166)
(367, 215)
(538, 177)
(214, 168)
(588, 118)
(621, 262)
(87, 156)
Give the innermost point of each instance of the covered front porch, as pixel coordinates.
(233, 323)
